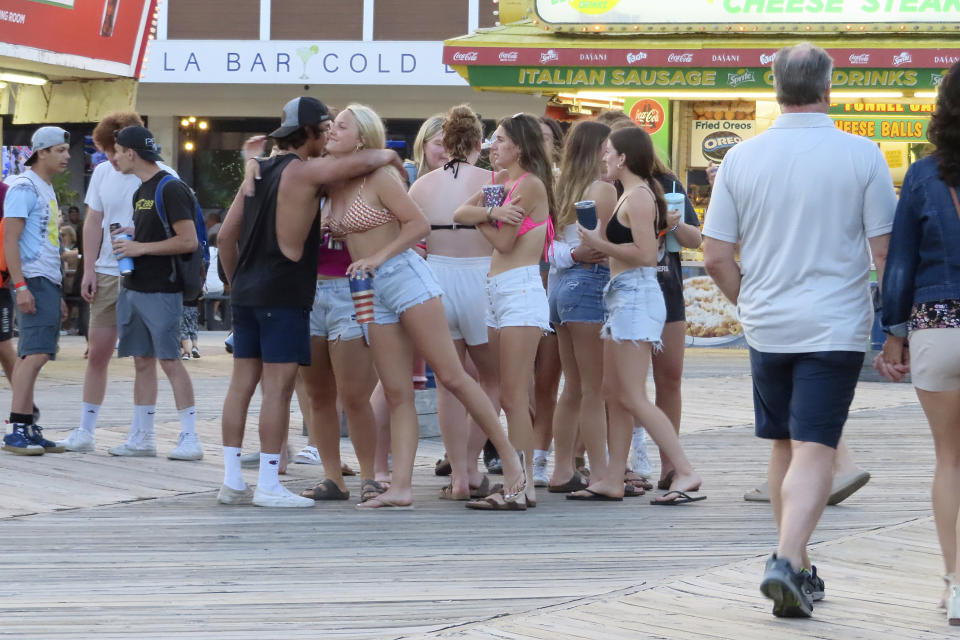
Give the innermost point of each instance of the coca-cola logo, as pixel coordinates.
(767, 59)
(648, 114)
(549, 56)
(902, 58)
(680, 57)
(466, 56)
(509, 56)
(633, 58)
(859, 58)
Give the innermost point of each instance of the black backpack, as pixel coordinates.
(193, 268)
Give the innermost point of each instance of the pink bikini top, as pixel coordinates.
(529, 225)
(360, 217)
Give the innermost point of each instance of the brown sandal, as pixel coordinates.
(575, 483)
(492, 503)
(326, 490)
(370, 489)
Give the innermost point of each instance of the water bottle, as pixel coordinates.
(125, 264)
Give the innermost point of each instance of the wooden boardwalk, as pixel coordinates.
(101, 547)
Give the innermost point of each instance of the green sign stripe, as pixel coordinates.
(634, 78)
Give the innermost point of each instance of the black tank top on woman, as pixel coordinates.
(264, 276)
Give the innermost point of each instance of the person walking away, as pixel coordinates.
(802, 200)
(921, 312)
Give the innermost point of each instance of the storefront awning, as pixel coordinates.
(522, 57)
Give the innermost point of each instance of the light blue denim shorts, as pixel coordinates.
(578, 294)
(517, 299)
(403, 281)
(333, 316)
(636, 311)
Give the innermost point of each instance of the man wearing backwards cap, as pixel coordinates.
(150, 303)
(31, 243)
(269, 245)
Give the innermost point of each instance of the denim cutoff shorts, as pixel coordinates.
(578, 294)
(333, 316)
(403, 281)
(635, 308)
(517, 299)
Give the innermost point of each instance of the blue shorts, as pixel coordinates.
(578, 294)
(403, 281)
(272, 334)
(333, 316)
(636, 311)
(804, 396)
(40, 331)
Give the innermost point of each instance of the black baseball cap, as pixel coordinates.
(140, 140)
(299, 112)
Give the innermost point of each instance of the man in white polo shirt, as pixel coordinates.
(109, 200)
(803, 200)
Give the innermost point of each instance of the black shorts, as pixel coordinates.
(671, 284)
(7, 310)
(272, 334)
(804, 396)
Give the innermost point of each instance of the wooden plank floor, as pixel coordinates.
(137, 548)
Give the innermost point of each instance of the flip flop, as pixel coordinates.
(846, 485)
(345, 470)
(491, 504)
(593, 496)
(382, 504)
(370, 489)
(446, 493)
(575, 483)
(664, 483)
(632, 490)
(638, 481)
(680, 498)
(481, 491)
(326, 490)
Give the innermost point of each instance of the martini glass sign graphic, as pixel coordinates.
(305, 53)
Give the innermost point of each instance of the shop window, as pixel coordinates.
(431, 19)
(315, 20)
(213, 20)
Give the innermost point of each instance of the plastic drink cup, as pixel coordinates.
(125, 264)
(586, 213)
(361, 290)
(675, 202)
(494, 195)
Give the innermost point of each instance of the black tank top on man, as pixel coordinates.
(264, 277)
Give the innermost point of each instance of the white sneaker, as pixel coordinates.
(188, 448)
(279, 498)
(138, 445)
(639, 461)
(308, 455)
(540, 476)
(228, 495)
(250, 460)
(78, 440)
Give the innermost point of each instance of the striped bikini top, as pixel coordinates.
(359, 217)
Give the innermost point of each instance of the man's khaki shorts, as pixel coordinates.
(103, 311)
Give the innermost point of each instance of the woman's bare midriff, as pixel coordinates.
(526, 252)
(366, 244)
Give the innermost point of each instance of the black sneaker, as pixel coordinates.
(20, 442)
(36, 437)
(785, 587)
(813, 584)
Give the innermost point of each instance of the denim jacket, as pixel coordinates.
(923, 261)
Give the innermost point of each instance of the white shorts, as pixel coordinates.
(464, 282)
(517, 299)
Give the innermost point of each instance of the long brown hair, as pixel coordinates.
(944, 130)
(524, 131)
(579, 167)
(636, 145)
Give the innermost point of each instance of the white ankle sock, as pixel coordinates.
(88, 416)
(539, 454)
(188, 420)
(143, 417)
(269, 478)
(232, 475)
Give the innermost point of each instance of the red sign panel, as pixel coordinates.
(577, 57)
(105, 31)
(648, 114)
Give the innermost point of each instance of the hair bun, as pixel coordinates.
(462, 131)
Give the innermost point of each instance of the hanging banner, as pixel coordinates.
(885, 129)
(97, 35)
(566, 78)
(653, 116)
(885, 15)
